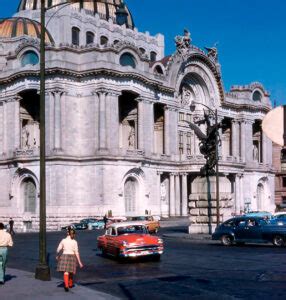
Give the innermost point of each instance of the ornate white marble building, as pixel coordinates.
(116, 136)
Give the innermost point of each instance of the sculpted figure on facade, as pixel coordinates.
(255, 153)
(131, 138)
(212, 53)
(163, 190)
(186, 96)
(183, 43)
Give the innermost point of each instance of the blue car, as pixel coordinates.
(93, 223)
(248, 229)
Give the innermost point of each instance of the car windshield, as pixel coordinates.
(132, 229)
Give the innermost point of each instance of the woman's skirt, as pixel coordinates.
(67, 263)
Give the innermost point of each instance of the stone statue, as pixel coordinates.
(25, 137)
(212, 53)
(131, 138)
(255, 153)
(163, 190)
(183, 43)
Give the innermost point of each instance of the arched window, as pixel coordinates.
(75, 36)
(256, 96)
(128, 59)
(158, 70)
(29, 195)
(29, 58)
(89, 38)
(153, 56)
(142, 50)
(103, 40)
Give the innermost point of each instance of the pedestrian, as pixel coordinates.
(67, 257)
(105, 221)
(5, 242)
(11, 226)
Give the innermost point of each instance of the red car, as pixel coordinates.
(130, 239)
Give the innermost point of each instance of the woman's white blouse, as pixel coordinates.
(68, 246)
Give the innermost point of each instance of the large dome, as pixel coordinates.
(105, 8)
(16, 27)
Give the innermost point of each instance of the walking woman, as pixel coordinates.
(67, 261)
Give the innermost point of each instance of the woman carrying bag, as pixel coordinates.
(67, 261)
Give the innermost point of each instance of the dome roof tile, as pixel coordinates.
(19, 26)
(105, 8)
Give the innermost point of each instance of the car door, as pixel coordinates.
(248, 229)
(110, 241)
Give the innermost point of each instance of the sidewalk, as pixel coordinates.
(22, 285)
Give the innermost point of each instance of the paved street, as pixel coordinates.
(201, 269)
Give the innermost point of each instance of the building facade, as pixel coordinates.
(279, 164)
(117, 122)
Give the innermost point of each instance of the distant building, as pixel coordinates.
(116, 132)
(279, 164)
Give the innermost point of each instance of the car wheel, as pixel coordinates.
(103, 252)
(227, 240)
(278, 241)
(157, 257)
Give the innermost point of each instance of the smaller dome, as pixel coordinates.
(16, 27)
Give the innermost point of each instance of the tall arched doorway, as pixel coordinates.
(260, 195)
(130, 195)
(29, 197)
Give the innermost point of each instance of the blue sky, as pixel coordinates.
(251, 34)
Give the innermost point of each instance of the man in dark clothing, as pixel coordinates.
(105, 221)
(11, 225)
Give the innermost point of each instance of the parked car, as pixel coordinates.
(130, 239)
(151, 224)
(246, 229)
(93, 223)
(262, 214)
(76, 226)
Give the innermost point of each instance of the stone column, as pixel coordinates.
(5, 127)
(102, 120)
(237, 202)
(148, 126)
(184, 194)
(178, 195)
(57, 120)
(173, 131)
(166, 130)
(1, 128)
(113, 120)
(159, 190)
(234, 138)
(242, 140)
(264, 148)
(17, 123)
(172, 195)
(140, 124)
(248, 136)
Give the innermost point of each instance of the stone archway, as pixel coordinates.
(260, 196)
(130, 195)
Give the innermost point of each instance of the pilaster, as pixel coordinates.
(172, 195)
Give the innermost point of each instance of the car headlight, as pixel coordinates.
(160, 241)
(124, 243)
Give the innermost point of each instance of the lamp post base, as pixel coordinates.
(43, 272)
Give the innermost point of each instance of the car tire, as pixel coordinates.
(157, 257)
(278, 241)
(103, 252)
(227, 240)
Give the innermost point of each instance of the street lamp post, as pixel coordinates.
(43, 270)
